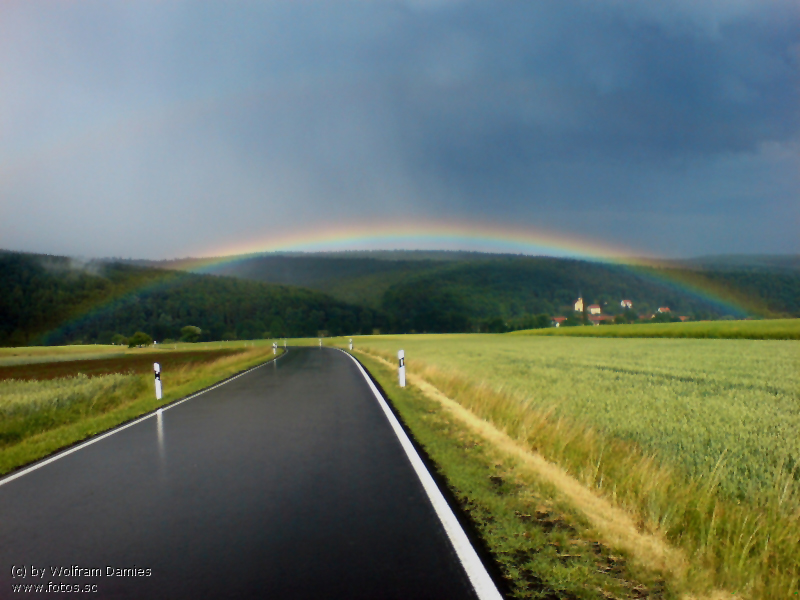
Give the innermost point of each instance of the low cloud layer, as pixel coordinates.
(165, 129)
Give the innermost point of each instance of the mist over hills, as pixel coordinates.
(48, 299)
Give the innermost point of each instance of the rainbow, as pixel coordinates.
(487, 237)
(429, 235)
(387, 233)
(453, 235)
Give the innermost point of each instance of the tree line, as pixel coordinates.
(56, 300)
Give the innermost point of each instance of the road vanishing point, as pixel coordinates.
(289, 481)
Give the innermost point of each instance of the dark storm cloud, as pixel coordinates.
(599, 82)
(671, 126)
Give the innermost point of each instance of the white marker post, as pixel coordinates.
(351, 344)
(401, 371)
(157, 369)
(320, 342)
(274, 347)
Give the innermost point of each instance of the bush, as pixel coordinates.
(190, 333)
(119, 340)
(138, 339)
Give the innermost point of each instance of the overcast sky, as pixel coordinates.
(162, 129)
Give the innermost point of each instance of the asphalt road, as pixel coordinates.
(287, 482)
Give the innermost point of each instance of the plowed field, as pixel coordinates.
(131, 363)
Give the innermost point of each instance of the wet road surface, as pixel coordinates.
(287, 482)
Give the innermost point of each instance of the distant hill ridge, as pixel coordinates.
(363, 277)
(49, 299)
(770, 263)
(509, 286)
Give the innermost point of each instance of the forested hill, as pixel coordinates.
(515, 289)
(481, 286)
(54, 300)
(357, 277)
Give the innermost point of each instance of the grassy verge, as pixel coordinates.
(74, 411)
(749, 548)
(543, 546)
(773, 329)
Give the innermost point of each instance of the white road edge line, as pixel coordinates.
(80, 446)
(476, 571)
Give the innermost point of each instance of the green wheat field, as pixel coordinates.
(693, 402)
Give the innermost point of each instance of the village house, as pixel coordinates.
(663, 309)
(557, 321)
(579, 305)
(626, 304)
(597, 319)
(594, 309)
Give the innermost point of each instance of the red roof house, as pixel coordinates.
(597, 319)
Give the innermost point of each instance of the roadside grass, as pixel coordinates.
(770, 329)
(42, 417)
(543, 547)
(696, 438)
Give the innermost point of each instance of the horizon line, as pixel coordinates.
(406, 250)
